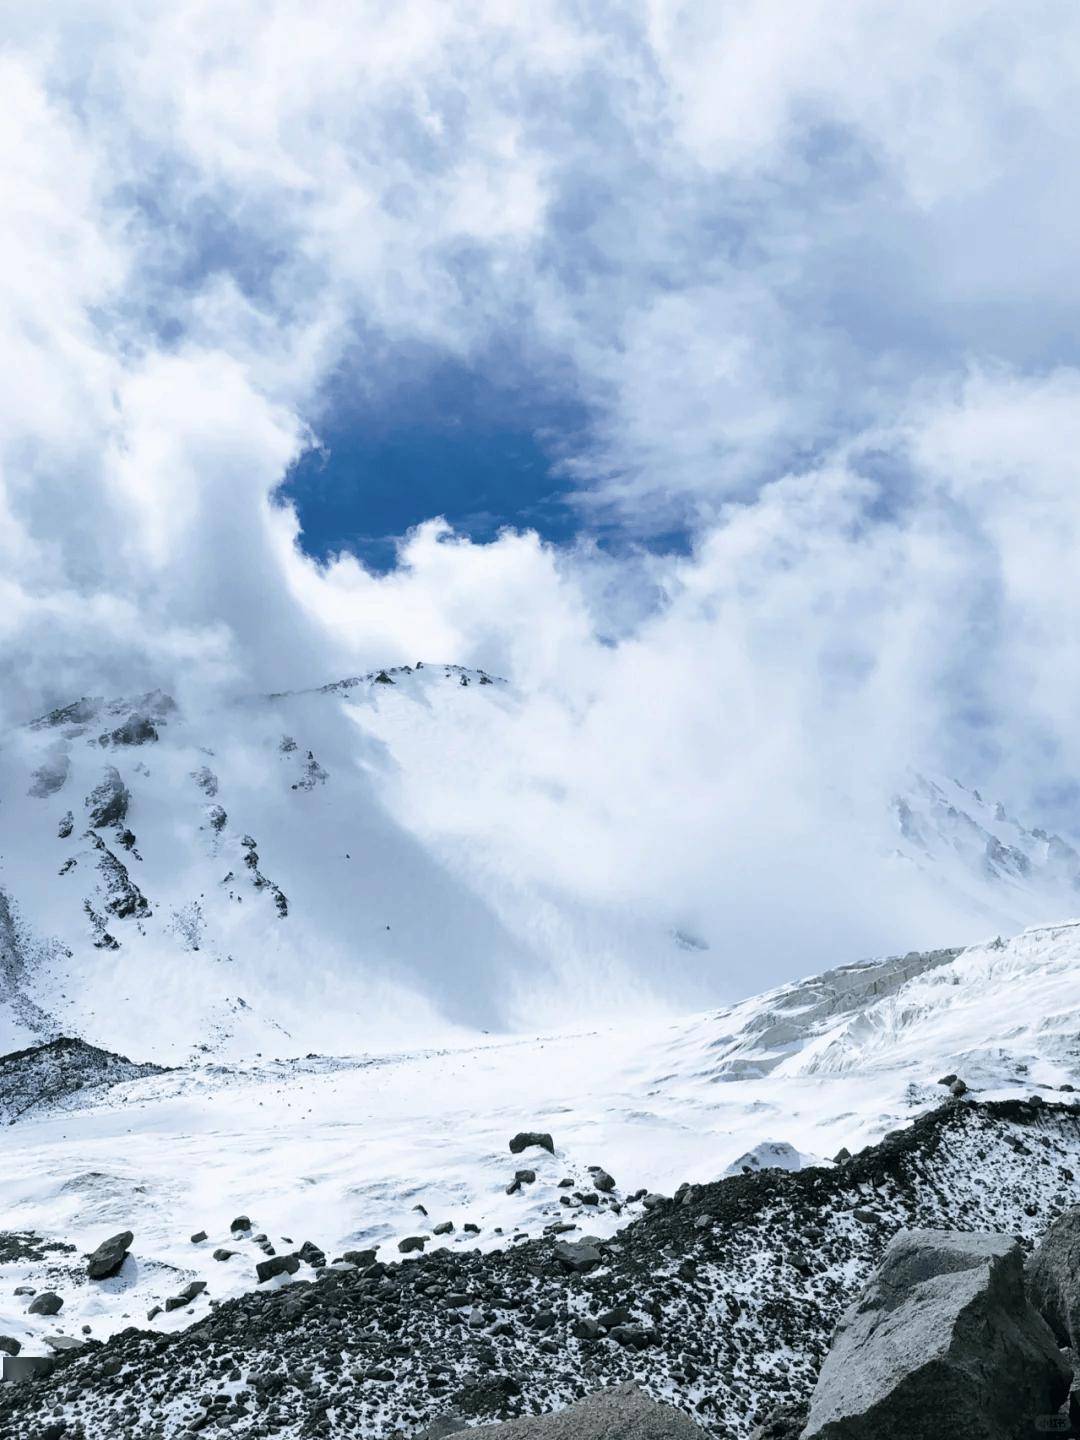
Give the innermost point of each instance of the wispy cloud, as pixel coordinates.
(807, 270)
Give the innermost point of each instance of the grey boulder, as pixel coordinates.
(942, 1341)
(620, 1412)
(109, 1256)
(578, 1255)
(47, 1303)
(276, 1265)
(9, 1345)
(1053, 1274)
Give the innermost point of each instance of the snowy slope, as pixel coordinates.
(309, 871)
(341, 1150)
(235, 881)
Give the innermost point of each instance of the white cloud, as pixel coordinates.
(796, 260)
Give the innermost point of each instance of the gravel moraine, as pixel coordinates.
(720, 1300)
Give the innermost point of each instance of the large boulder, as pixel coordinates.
(47, 1303)
(527, 1139)
(621, 1412)
(1053, 1275)
(277, 1265)
(109, 1256)
(942, 1341)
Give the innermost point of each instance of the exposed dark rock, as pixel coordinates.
(137, 729)
(412, 1243)
(525, 1139)
(361, 1258)
(578, 1255)
(61, 1073)
(47, 1303)
(198, 1237)
(9, 1345)
(942, 1340)
(108, 802)
(240, 1224)
(109, 1256)
(277, 1265)
(66, 826)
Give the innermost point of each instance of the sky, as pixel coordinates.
(708, 369)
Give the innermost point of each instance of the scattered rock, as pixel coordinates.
(526, 1139)
(578, 1255)
(942, 1338)
(311, 1254)
(412, 1243)
(198, 1237)
(276, 1265)
(240, 1224)
(60, 1343)
(47, 1303)
(958, 1088)
(602, 1180)
(9, 1345)
(109, 1256)
(222, 1254)
(525, 1177)
(360, 1258)
(446, 1227)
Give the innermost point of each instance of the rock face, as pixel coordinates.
(1054, 1278)
(621, 1412)
(942, 1341)
(109, 1256)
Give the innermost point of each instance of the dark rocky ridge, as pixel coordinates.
(47, 1076)
(723, 1299)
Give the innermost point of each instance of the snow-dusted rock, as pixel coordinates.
(942, 1340)
(620, 1410)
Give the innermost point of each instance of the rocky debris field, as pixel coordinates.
(61, 1073)
(721, 1299)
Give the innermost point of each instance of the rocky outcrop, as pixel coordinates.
(108, 802)
(63, 1073)
(942, 1341)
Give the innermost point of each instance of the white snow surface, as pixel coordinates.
(339, 1150)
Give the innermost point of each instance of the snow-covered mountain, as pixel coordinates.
(235, 881)
(258, 876)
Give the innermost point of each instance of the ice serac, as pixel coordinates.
(943, 1340)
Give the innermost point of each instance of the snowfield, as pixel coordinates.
(319, 1000)
(341, 1150)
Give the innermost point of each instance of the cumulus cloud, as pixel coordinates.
(805, 270)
